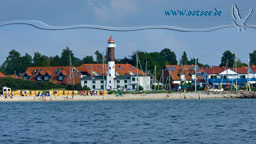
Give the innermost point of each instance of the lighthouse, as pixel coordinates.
(111, 64)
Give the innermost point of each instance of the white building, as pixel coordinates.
(113, 76)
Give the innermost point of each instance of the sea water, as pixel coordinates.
(156, 121)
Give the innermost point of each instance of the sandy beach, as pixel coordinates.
(155, 96)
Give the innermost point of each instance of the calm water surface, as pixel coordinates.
(174, 121)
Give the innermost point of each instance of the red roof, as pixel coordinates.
(253, 67)
(214, 70)
(2, 75)
(54, 73)
(97, 69)
(218, 69)
(240, 70)
(176, 70)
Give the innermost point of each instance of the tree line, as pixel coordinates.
(15, 63)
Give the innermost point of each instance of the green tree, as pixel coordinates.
(12, 63)
(227, 59)
(184, 59)
(169, 56)
(65, 58)
(124, 60)
(88, 60)
(15, 63)
(55, 61)
(26, 62)
(239, 63)
(99, 57)
(253, 58)
(149, 60)
(40, 60)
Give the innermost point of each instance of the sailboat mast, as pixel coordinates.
(195, 74)
(155, 77)
(137, 63)
(146, 69)
(227, 75)
(236, 72)
(103, 70)
(248, 78)
(71, 76)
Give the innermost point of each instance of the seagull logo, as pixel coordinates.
(237, 20)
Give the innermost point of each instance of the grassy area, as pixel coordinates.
(19, 84)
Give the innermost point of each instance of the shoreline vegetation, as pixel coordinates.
(143, 96)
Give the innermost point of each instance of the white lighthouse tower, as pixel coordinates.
(111, 64)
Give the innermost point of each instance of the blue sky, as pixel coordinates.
(207, 46)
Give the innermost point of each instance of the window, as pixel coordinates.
(118, 81)
(99, 66)
(242, 76)
(132, 67)
(93, 86)
(109, 74)
(125, 86)
(109, 81)
(101, 81)
(101, 87)
(121, 67)
(118, 86)
(125, 81)
(93, 82)
(39, 78)
(171, 69)
(46, 78)
(110, 68)
(85, 82)
(61, 78)
(26, 77)
(133, 79)
(89, 67)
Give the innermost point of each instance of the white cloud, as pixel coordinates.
(115, 8)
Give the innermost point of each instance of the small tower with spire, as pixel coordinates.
(111, 64)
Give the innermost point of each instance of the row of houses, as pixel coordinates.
(213, 76)
(111, 76)
(128, 77)
(93, 76)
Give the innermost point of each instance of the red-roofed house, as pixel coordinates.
(56, 74)
(182, 74)
(221, 76)
(2, 75)
(113, 76)
(126, 76)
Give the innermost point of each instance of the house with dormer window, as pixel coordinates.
(177, 75)
(56, 74)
